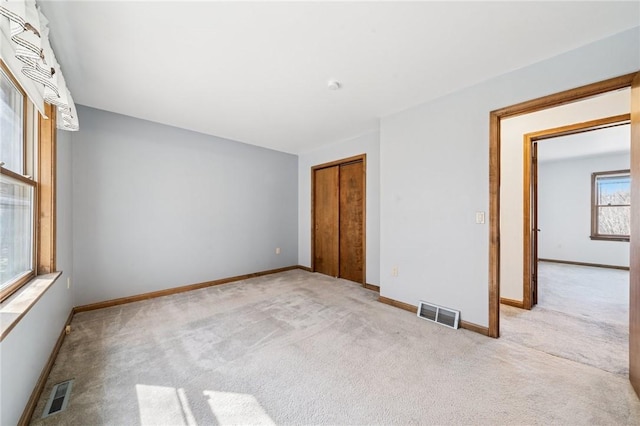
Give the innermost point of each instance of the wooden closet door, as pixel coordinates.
(326, 220)
(351, 258)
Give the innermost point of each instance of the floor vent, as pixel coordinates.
(58, 399)
(438, 314)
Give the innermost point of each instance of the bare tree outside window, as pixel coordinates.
(611, 205)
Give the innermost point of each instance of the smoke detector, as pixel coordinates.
(334, 85)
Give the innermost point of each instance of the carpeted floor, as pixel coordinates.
(302, 348)
(582, 315)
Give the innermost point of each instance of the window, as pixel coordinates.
(611, 205)
(17, 190)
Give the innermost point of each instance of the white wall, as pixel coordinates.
(434, 175)
(25, 351)
(564, 210)
(366, 144)
(511, 193)
(157, 207)
(64, 209)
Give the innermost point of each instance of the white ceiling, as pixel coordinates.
(611, 140)
(258, 72)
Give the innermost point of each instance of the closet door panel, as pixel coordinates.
(352, 222)
(326, 221)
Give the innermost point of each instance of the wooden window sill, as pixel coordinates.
(608, 238)
(17, 306)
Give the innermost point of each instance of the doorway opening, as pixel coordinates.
(630, 80)
(596, 138)
(580, 288)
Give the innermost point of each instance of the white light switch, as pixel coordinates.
(479, 217)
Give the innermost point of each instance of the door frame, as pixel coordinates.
(354, 159)
(530, 183)
(527, 107)
(629, 80)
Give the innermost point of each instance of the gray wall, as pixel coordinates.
(564, 211)
(434, 174)
(365, 144)
(26, 349)
(157, 207)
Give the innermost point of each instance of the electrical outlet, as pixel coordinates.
(277, 250)
(68, 282)
(479, 217)
(394, 271)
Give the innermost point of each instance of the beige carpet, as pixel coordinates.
(582, 315)
(302, 348)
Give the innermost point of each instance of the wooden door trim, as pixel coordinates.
(529, 180)
(348, 160)
(495, 117)
(634, 265)
(354, 159)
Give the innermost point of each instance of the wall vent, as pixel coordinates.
(438, 314)
(58, 399)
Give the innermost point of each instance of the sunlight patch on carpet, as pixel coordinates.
(163, 405)
(237, 408)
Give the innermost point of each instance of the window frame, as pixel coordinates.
(28, 180)
(25, 107)
(30, 274)
(595, 235)
(40, 160)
